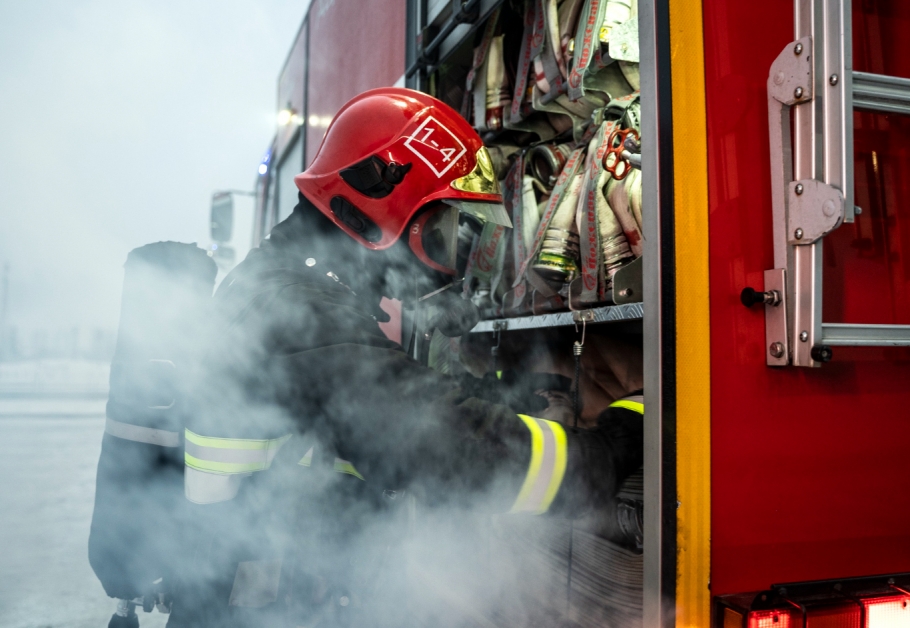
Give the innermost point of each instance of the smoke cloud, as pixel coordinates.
(119, 120)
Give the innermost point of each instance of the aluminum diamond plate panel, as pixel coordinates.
(607, 314)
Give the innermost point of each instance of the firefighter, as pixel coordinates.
(309, 421)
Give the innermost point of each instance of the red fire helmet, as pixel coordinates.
(390, 152)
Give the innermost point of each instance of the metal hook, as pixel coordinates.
(584, 328)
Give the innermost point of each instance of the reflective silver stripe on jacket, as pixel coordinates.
(245, 459)
(215, 467)
(230, 455)
(201, 487)
(139, 434)
(547, 466)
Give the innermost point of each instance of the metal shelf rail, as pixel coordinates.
(606, 314)
(463, 20)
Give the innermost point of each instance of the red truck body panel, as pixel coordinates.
(354, 46)
(809, 466)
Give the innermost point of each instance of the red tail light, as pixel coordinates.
(769, 619)
(858, 603)
(888, 612)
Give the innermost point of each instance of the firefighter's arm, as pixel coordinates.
(572, 470)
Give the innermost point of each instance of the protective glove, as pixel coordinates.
(516, 390)
(599, 461)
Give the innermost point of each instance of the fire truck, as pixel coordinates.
(763, 293)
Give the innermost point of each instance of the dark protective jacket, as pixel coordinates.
(309, 423)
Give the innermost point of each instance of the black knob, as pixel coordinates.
(751, 296)
(821, 353)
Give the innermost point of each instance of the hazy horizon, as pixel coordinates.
(118, 120)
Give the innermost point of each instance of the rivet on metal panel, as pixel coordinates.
(627, 292)
(798, 92)
(798, 49)
(776, 350)
(803, 336)
(857, 210)
(832, 80)
(799, 188)
(798, 234)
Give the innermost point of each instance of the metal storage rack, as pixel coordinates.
(606, 314)
(439, 32)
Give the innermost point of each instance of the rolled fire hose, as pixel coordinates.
(549, 64)
(633, 191)
(557, 260)
(615, 246)
(618, 196)
(502, 156)
(530, 211)
(498, 93)
(617, 12)
(568, 24)
(546, 161)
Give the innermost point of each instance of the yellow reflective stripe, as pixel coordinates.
(230, 455)
(546, 469)
(559, 471)
(234, 443)
(223, 467)
(343, 466)
(307, 459)
(534, 467)
(634, 406)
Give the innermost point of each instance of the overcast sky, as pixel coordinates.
(118, 119)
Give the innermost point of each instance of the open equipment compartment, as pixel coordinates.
(553, 89)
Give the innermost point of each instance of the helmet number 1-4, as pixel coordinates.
(435, 145)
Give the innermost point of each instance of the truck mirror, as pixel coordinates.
(222, 225)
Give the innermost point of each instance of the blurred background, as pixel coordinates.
(118, 121)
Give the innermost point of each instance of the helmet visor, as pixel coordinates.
(442, 236)
(439, 238)
(483, 212)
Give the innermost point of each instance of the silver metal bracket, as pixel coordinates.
(583, 316)
(790, 78)
(627, 283)
(815, 209)
(777, 348)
